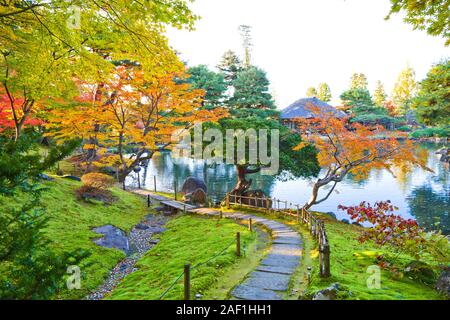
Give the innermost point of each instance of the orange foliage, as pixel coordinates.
(130, 109)
(97, 180)
(345, 147)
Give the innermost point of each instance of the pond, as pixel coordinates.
(424, 196)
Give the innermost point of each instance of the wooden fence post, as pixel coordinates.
(175, 188)
(187, 282)
(154, 182)
(238, 244)
(227, 201)
(250, 225)
(325, 261)
(268, 204)
(148, 201)
(220, 214)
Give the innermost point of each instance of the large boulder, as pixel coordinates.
(194, 191)
(112, 238)
(191, 184)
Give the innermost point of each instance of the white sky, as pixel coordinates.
(300, 43)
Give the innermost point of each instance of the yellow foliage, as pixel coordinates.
(97, 180)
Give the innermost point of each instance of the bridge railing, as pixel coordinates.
(293, 211)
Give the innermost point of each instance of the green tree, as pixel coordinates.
(357, 99)
(404, 90)
(358, 81)
(432, 103)
(251, 90)
(230, 65)
(431, 16)
(211, 82)
(47, 44)
(324, 92)
(311, 92)
(379, 96)
(292, 163)
(29, 269)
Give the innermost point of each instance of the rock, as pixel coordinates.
(330, 293)
(141, 226)
(43, 176)
(72, 178)
(345, 221)
(156, 229)
(191, 184)
(331, 214)
(443, 282)
(198, 197)
(357, 224)
(420, 271)
(112, 238)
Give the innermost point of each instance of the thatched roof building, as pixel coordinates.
(301, 109)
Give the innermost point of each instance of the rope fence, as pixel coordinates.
(187, 269)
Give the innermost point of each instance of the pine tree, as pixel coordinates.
(230, 65)
(252, 90)
(212, 83)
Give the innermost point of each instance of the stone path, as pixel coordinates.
(270, 280)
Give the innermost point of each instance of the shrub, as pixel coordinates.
(97, 180)
(404, 128)
(87, 193)
(95, 187)
(431, 132)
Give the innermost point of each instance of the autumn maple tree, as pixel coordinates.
(16, 113)
(351, 148)
(131, 116)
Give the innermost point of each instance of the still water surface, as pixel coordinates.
(422, 195)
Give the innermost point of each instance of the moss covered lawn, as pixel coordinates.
(71, 222)
(188, 239)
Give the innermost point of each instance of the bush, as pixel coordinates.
(97, 180)
(87, 193)
(404, 128)
(430, 132)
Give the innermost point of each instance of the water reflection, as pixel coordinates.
(418, 194)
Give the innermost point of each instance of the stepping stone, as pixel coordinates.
(273, 269)
(268, 281)
(288, 234)
(251, 293)
(279, 260)
(287, 240)
(286, 249)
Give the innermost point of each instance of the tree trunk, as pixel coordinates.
(312, 200)
(243, 184)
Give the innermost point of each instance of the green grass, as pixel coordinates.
(71, 222)
(188, 239)
(350, 260)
